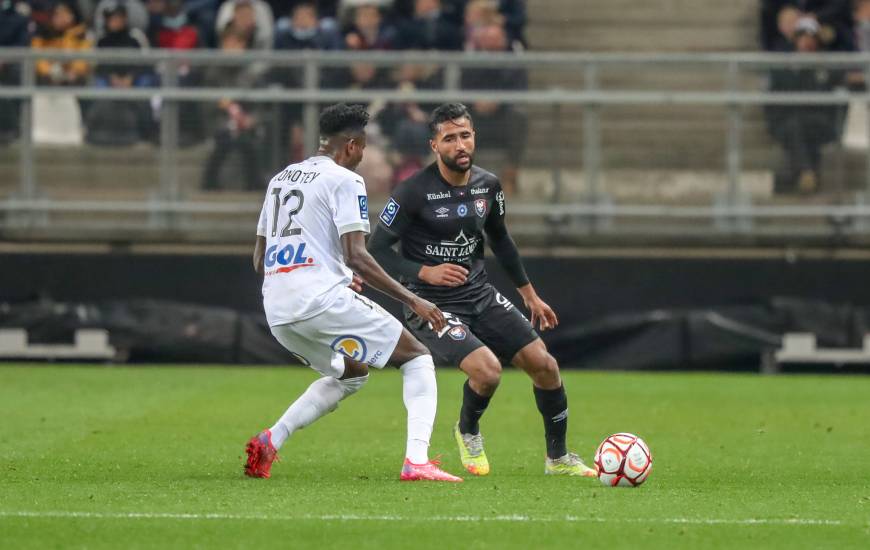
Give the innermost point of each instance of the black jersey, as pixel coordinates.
(440, 223)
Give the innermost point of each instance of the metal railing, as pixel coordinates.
(594, 214)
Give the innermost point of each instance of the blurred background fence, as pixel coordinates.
(594, 147)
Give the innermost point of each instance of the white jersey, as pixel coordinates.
(308, 206)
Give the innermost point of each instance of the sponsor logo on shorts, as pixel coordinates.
(457, 333)
(480, 207)
(363, 207)
(462, 210)
(389, 213)
(350, 346)
(286, 259)
(442, 212)
(375, 357)
(502, 301)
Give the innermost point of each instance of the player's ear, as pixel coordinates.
(432, 146)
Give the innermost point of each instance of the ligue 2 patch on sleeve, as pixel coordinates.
(389, 213)
(363, 207)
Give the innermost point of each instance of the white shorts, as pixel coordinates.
(353, 327)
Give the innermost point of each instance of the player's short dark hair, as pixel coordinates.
(341, 117)
(445, 112)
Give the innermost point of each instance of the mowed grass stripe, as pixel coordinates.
(405, 519)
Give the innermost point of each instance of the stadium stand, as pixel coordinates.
(656, 154)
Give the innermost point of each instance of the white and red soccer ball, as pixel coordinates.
(623, 460)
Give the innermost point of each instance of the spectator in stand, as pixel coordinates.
(367, 29)
(513, 11)
(301, 30)
(172, 30)
(803, 130)
(429, 29)
(170, 27)
(116, 123)
(251, 17)
(136, 15)
(117, 33)
(498, 126)
(238, 125)
(40, 14)
(861, 15)
(65, 31)
(779, 21)
(14, 33)
(326, 9)
(478, 14)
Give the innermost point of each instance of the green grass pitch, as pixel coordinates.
(103, 457)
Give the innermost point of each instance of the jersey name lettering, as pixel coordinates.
(297, 176)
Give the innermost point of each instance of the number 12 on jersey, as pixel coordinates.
(279, 202)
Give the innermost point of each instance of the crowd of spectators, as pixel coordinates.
(399, 139)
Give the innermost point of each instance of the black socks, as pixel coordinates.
(473, 407)
(553, 405)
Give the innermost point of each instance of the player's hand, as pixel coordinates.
(443, 275)
(357, 283)
(430, 313)
(543, 315)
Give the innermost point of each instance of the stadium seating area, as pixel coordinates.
(648, 153)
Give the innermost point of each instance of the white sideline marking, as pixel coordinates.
(355, 517)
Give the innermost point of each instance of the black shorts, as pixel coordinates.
(488, 319)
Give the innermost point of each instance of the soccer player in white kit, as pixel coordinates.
(310, 242)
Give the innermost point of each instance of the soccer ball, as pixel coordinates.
(623, 460)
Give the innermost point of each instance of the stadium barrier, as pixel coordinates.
(578, 201)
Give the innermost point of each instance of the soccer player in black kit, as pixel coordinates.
(440, 217)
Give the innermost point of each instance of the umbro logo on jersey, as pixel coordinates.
(389, 213)
(442, 212)
(437, 196)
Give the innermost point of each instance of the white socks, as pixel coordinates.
(321, 398)
(420, 393)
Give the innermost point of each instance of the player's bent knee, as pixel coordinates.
(350, 386)
(485, 371)
(545, 372)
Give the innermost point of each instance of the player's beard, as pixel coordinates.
(453, 165)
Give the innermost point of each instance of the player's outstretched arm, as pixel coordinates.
(357, 258)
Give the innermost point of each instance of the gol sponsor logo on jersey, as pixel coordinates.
(286, 259)
(350, 346)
